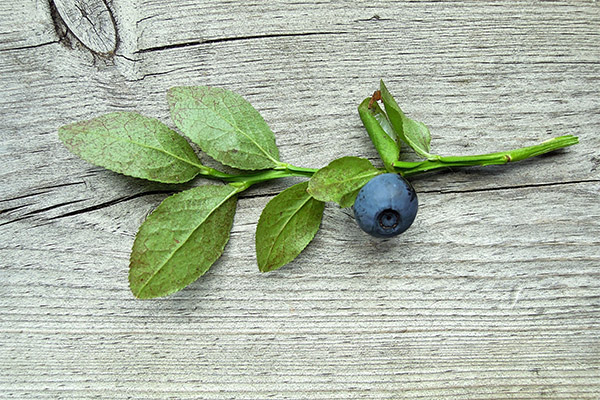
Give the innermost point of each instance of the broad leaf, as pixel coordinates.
(224, 125)
(340, 179)
(386, 146)
(181, 239)
(134, 145)
(286, 226)
(414, 133)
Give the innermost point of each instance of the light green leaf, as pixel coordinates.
(134, 145)
(338, 180)
(181, 239)
(286, 226)
(348, 199)
(224, 125)
(414, 133)
(386, 146)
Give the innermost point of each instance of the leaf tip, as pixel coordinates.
(382, 86)
(265, 268)
(364, 105)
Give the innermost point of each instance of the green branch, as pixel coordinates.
(285, 171)
(503, 157)
(403, 167)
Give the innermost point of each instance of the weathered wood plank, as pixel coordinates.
(26, 25)
(508, 312)
(493, 293)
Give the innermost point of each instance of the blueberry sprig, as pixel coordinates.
(188, 231)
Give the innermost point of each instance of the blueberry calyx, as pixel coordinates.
(388, 219)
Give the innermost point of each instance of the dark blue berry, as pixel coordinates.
(386, 206)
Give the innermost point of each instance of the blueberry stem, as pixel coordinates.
(284, 170)
(503, 157)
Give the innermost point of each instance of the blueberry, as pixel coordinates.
(386, 206)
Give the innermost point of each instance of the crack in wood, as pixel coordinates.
(7, 210)
(127, 58)
(33, 213)
(52, 207)
(41, 210)
(23, 196)
(60, 28)
(43, 191)
(526, 186)
(158, 74)
(252, 196)
(59, 185)
(234, 39)
(32, 46)
(374, 18)
(111, 203)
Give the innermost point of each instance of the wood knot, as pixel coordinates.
(91, 22)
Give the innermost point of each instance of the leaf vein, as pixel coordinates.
(238, 129)
(161, 150)
(286, 223)
(179, 245)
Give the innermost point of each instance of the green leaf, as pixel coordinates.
(134, 145)
(181, 239)
(383, 120)
(387, 148)
(414, 133)
(286, 226)
(340, 179)
(225, 126)
(348, 199)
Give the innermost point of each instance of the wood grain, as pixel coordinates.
(492, 294)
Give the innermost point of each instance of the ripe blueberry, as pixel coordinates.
(386, 206)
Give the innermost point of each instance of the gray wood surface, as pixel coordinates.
(492, 294)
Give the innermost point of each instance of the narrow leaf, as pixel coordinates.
(134, 145)
(338, 180)
(181, 239)
(224, 125)
(286, 226)
(414, 133)
(383, 120)
(386, 146)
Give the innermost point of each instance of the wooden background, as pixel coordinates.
(493, 293)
